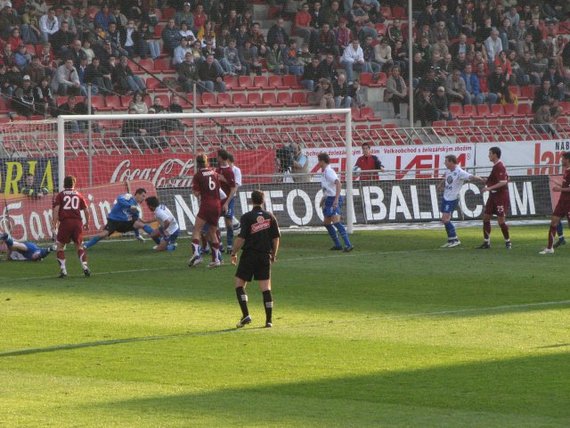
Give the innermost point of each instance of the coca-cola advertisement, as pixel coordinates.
(163, 169)
(31, 218)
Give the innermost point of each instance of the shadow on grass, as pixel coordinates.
(534, 386)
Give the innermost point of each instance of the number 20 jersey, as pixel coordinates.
(71, 203)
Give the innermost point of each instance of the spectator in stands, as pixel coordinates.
(383, 55)
(174, 107)
(231, 62)
(327, 68)
(23, 100)
(76, 53)
(498, 85)
(99, 77)
(456, 88)
(73, 107)
(157, 105)
(493, 46)
(566, 88)
(35, 70)
(311, 74)
(138, 104)
(180, 52)
(331, 15)
(394, 31)
(547, 95)
(130, 36)
(30, 27)
(249, 58)
(61, 40)
(200, 18)
(520, 76)
(103, 18)
(292, 61)
(133, 129)
(118, 17)
(543, 121)
(171, 36)
(209, 47)
(43, 98)
(419, 70)
(15, 41)
(425, 110)
(207, 33)
(302, 24)
(68, 17)
(489, 97)
(6, 87)
(325, 94)
(441, 104)
(326, 41)
(472, 84)
(461, 46)
(343, 35)
(341, 91)
(81, 73)
(505, 63)
(185, 15)
(147, 45)
(353, 60)
(211, 77)
(49, 25)
(277, 34)
(66, 79)
(369, 56)
(300, 167)
(186, 31)
(114, 36)
(257, 38)
(188, 73)
(125, 79)
(84, 24)
(33, 189)
(396, 91)
(275, 58)
(87, 51)
(22, 58)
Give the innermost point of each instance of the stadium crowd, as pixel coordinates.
(471, 52)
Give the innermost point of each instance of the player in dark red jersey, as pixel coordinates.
(206, 186)
(367, 162)
(67, 208)
(498, 202)
(563, 206)
(229, 187)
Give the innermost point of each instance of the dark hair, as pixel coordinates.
(365, 145)
(231, 157)
(451, 158)
(324, 157)
(223, 154)
(69, 182)
(496, 151)
(202, 161)
(152, 202)
(257, 197)
(140, 190)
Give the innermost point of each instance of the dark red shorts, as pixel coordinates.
(497, 204)
(70, 230)
(562, 209)
(210, 212)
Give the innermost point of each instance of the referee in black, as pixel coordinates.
(259, 237)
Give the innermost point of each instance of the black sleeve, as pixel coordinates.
(244, 227)
(377, 163)
(274, 230)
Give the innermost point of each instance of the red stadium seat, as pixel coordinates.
(510, 110)
(239, 99)
(483, 110)
(259, 82)
(275, 82)
(284, 99)
(299, 98)
(398, 12)
(524, 110)
(231, 82)
(224, 100)
(497, 110)
(468, 111)
(164, 65)
(209, 99)
(456, 110)
(254, 99)
(244, 82)
(114, 102)
(291, 81)
(528, 92)
(269, 99)
(98, 102)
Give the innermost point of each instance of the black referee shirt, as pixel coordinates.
(258, 229)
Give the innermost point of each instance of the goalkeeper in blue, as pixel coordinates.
(24, 251)
(332, 205)
(168, 231)
(453, 181)
(124, 217)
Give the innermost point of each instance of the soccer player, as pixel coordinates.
(24, 251)
(498, 202)
(454, 178)
(259, 237)
(124, 217)
(229, 187)
(368, 162)
(165, 236)
(332, 204)
(67, 208)
(563, 206)
(206, 186)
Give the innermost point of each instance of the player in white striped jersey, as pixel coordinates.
(454, 179)
(167, 233)
(229, 214)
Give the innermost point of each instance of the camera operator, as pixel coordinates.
(300, 167)
(290, 160)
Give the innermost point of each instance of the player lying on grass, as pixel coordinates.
(124, 217)
(168, 231)
(453, 180)
(25, 251)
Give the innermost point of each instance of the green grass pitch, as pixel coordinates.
(397, 333)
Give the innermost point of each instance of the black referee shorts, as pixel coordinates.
(119, 226)
(253, 264)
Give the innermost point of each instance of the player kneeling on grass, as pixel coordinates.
(332, 204)
(563, 206)
(67, 220)
(259, 238)
(24, 251)
(123, 218)
(454, 178)
(167, 233)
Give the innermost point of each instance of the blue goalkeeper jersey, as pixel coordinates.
(122, 211)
